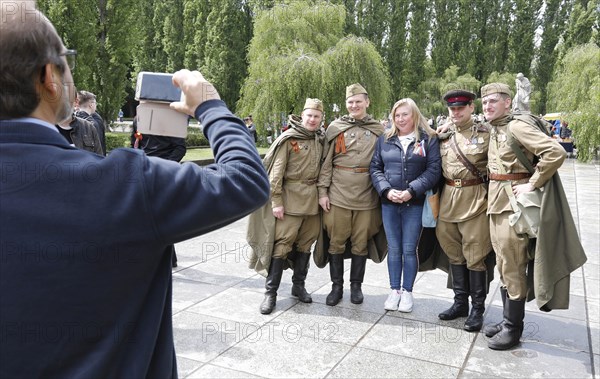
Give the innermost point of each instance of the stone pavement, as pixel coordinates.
(219, 332)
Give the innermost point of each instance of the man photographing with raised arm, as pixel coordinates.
(85, 273)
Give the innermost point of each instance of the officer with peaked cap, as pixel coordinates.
(349, 201)
(462, 228)
(293, 164)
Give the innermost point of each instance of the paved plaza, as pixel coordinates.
(219, 332)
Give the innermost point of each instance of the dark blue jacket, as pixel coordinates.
(392, 169)
(85, 283)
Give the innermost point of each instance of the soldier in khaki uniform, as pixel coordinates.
(506, 169)
(463, 228)
(293, 164)
(350, 204)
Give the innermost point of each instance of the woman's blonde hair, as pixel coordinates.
(419, 120)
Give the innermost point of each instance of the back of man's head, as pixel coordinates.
(28, 42)
(85, 98)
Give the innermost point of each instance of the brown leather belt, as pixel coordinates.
(518, 176)
(463, 182)
(306, 181)
(353, 169)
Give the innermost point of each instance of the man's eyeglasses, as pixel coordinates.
(71, 56)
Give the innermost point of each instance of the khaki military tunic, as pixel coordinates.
(346, 188)
(511, 249)
(462, 229)
(294, 176)
(293, 179)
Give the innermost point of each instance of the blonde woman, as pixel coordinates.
(406, 163)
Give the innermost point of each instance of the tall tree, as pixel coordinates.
(194, 33)
(418, 39)
(355, 59)
(521, 44)
(482, 38)
(580, 27)
(443, 31)
(396, 46)
(372, 21)
(227, 36)
(498, 29)
(299, 51)
(114, 54)
(148, 54)
(555, 15)
(173, 35)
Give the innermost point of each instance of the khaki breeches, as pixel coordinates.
(466, 242)
(300, 230)
(511, 255)
(359, 226)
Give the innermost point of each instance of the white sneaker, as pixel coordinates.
(406, 303)
(391, 304)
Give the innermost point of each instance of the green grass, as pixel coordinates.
(206, 153)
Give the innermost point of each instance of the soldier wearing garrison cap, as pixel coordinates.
(521, 159)
(291, 219)
(462, 228)
(350, 204)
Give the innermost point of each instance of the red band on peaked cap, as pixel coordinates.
(462, 99)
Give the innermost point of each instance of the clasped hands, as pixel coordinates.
(399, 197)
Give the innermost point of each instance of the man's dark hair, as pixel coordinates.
(28, 42)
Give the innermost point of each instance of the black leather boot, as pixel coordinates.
(272, 285)
(478, 289)
(300, 272)
(357, 274)
(460, 285)
(512, 328)
(491, 329)
(336, 271)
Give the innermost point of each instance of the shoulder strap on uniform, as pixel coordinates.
(512, 142)
(463, 159)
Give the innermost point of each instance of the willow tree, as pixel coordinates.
(356, 60)
(576, 92)
(299, 51)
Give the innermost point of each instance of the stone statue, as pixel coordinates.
(521, 100)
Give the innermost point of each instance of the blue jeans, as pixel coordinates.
(402, 225)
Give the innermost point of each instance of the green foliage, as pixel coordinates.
(355, 60)
(229, 27)
(580, 28)
(298, 51)
(521, 45)
(396, 46)
(576, 92)
(431, 103)
(414, 72)
(194, 34)
(419, 40)
(117, 140)
(504, 77)
(553, 25)
(195, 138)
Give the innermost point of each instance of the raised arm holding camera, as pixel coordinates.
(83, 237)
